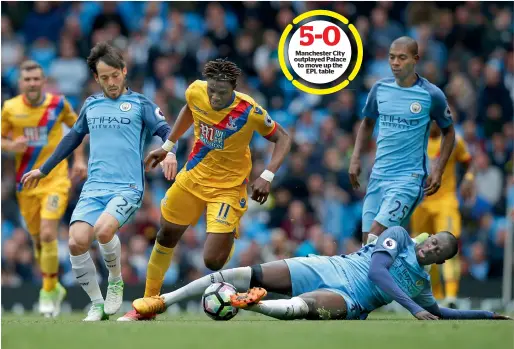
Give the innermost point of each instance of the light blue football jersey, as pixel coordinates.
(404, 116)
(118, 129)
(406, 271)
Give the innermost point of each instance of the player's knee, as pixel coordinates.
(104, 232)
(214, 263)
(169, 235)
(48, 231)
(77, 246)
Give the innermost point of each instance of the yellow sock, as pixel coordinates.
(451, 273)
(158, 264)
(49, 264)
(230, 254)
(451, 288)
(437, 286)
(37, 255)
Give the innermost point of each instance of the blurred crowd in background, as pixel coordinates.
(466, 49)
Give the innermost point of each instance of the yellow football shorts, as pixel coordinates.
(186, 200)
(42, 205)
(434, 217)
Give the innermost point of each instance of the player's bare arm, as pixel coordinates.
(184, 121)
(447, 142)
(262, 186)
(363, 136)
(468, 182)
(18, 145)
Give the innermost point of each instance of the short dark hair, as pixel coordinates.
(31, 65)
(107, 54)
(222, 70)
(453, 241)
(412, 45)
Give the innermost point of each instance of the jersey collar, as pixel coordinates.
(34, 105)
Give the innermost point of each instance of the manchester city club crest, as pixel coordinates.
(125, 106)
(415, 108)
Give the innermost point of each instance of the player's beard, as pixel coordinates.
(33, 96)
(116, 93)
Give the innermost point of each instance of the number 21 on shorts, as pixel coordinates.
(124, 208)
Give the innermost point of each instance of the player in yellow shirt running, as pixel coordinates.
(216, 174)
(32, 129)
(441, 211)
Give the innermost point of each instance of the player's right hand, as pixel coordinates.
(425, 315)
(355, 172)
(501, 317)
(31, 179)
(20, 144)
(169, 166)
(154, 158)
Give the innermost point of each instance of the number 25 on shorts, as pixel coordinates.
(396, 212)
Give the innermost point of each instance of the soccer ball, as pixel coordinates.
(216, 301)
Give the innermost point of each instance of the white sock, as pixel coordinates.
(238, 277)
(283, 309)
(371, 238)
(85, 272)
(111, 253)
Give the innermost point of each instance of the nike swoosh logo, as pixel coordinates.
(110, 260)
(159, 251)
(78, 277)
(380, 102)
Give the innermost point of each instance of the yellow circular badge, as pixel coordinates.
(319, 52)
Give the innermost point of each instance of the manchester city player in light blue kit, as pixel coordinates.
(403, 106)
(346, 287)
(118, 122)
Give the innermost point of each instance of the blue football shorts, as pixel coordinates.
(120, 204)
(314, 272)
(390, 203)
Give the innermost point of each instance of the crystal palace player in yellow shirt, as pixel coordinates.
(216, 174)
(441, 210)
(32, 129)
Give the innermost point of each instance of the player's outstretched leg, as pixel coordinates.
(110, 247)
(274, 276)
(240, 278)
(316, 305)
(81, 236)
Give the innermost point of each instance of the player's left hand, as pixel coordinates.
(466, 188)
(31, 179)
(260, 190)
(79, 170)
(155, 158)
(433, 183)
(169, 166)
(501, 317)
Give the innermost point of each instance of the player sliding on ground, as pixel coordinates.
(344, 287)
(403, 105)
(216, 174)
(118, 122)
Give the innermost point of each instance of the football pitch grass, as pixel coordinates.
(381, 330)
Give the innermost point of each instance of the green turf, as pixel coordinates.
(248, 332)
